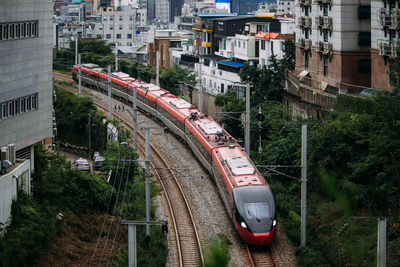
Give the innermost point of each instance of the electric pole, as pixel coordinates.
(381, 249)
(90, 145)
(303, 183)
(76, 49)
(134, 118)
(116, 56)
(247, 129)
(201, 83)
(80, 74)
(158, 68)
(109, 92)
(147, 179)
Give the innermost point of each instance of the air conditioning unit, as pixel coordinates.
(11, 153)
(4, 155)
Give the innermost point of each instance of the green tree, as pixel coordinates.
(172, 78)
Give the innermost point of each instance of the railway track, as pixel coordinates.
(187, 241)
(260, 256)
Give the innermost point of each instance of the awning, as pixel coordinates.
(303, 74)
(231, 64)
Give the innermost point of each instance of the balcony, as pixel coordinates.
(305, 2)
(388, 49)
(319, 46)
(307, 44)
(388, 19)
(327, 23)
(301, 42)
(322, 2)
(304, 22)
(327, 48)
(319, 21)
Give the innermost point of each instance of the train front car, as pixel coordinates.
(254, 208)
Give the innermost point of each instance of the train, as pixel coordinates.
(245, 193)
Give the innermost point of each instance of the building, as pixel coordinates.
(175, 9)
(334, 41)
(122, 27)
(285, 6)
(163, 41)
(271, 43)
(162, 10)
(245, 6)
(26, 92)
(384, 41)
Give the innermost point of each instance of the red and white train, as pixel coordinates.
(245, 193)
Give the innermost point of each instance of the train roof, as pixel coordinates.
(237, 166)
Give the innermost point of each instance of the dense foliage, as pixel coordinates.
(57, 188)
(72, 119)
(353, 172)
(93, 51)
(170, 78)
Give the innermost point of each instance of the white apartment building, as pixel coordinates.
(385, 39)
(122, 27)
(334, 41)
(271, 44)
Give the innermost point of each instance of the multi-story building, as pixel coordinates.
(285, 6)
(163, 41)
(162, 12)
(334, 41)
(385, 40)
(175, 9)
(26, 92)
(122, 27)
(271, 43)
(245, 6)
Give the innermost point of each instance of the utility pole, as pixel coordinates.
(201, 82)
(116, 56)
(158, 68)
(80, 74)
(247, 130)
(76, 49)
(303, 183)
(134, 118)
(89, 134)
(109, 92)
(381, 249)
(147, 179)
(260, 118)
(132, 237)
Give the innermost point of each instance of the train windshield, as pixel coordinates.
(255, 206)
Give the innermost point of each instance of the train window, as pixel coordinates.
(27, 103)
(10, 109)
(16, 31)
(22, 30)
(10, 31)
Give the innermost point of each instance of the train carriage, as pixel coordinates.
(246, 195)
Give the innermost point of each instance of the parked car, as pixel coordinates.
(81, 164)
(97, 162)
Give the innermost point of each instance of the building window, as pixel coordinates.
(306, 33)
(239, 44)
(129, 35)
(306, 60)
(108, 36)
(235, 43)
(326, 61)
(325, 9)
(120, 18)
(262, 62)
(18, 106)
(111, 27)
(118, 36)
(244, 44)
(364, 39)
(262, 44)
(105, 18)
(222, 88)
(306, 11)
(18, 30)
(224, 44)
(325, 35)
(111, 18)
(272, 47)
(130, 17)
(120, 26)
(130, 27)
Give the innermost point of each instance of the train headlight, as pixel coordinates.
(243, 224)
(274, 223)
